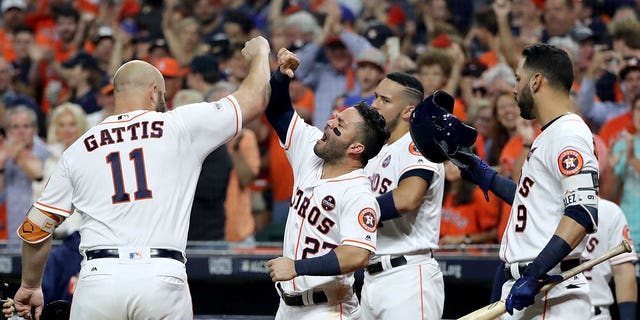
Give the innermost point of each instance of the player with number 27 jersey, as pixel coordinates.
(324, 213)
(120, 152)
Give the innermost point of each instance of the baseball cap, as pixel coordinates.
(372, 56)
(103, 32)
(158, 43)
(169, 67)
(8, 4)
(218, 44)
(83, 59)
(631, 64)
(107, 89)
(334, 43)
(378, 34)
(582, 33)
(204, 64)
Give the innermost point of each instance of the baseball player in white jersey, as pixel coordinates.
(554, 204)
(331, 227)
(132, 179)
(403, 281)
(612, 229)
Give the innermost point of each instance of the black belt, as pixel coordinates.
(297, 301)
(154, 253)
(565, 265)
(377, 267)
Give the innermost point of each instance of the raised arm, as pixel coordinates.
(280, 110)
(254, 91)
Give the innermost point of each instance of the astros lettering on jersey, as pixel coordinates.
(324, 213)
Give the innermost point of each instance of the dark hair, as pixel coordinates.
(23, 29)
(413, 90)
(634, 101)
(373, 133)
(486, 18)
(65, 10)
(553, 63)
(241, 18)
(436, 57)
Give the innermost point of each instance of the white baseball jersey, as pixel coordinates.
(612, 229)
(413, 231)
(133, 176)
(324, 213)
(565, 147)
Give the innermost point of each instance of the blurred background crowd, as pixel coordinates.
(58, 57)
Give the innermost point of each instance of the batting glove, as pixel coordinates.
(524, 291)
(476, 171)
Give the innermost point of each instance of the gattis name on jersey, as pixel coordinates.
(313, 214)
(134, 131)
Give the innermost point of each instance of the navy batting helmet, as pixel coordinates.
(437, 133)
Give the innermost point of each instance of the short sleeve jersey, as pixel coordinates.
(612, 229)
(133, 176)
(324, 213)
(564, 148)
(413, 231)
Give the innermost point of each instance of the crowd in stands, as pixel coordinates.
(59, 56)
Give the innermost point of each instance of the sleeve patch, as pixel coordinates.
(414, 150)
(367, 219)
(570, 162)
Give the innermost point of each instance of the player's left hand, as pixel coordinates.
(26, 298)
(281, 269)
(524, 291)
(288, 61)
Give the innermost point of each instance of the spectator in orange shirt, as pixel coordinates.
(506, 113)
(435, 69)
(13, 17)
(466, 216)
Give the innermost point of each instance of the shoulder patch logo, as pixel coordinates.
(328, 203)
(367, 219)
(570, 162)
(413, 149)
(386, 161)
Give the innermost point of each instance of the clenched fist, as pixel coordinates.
(254, 47)
(281, 269)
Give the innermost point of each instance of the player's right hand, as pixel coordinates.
(26, 298)
(524, 291)
(477, 171)
(254, 47)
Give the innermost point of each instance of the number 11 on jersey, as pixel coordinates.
(120, 195)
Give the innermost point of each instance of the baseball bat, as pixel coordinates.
(498, 308)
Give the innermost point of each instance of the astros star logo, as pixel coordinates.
(570, 162)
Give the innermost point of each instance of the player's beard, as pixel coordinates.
(331, 150)
(161, 104)
(391, 124)
(525, 103)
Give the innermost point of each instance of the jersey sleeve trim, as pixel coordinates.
(237, 111)
(293, 127)
(346, 179)
(52, 209)
(360, 244)
(625, 257)
(420, 166)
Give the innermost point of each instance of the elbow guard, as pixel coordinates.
(38, 225)
(580, 198)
